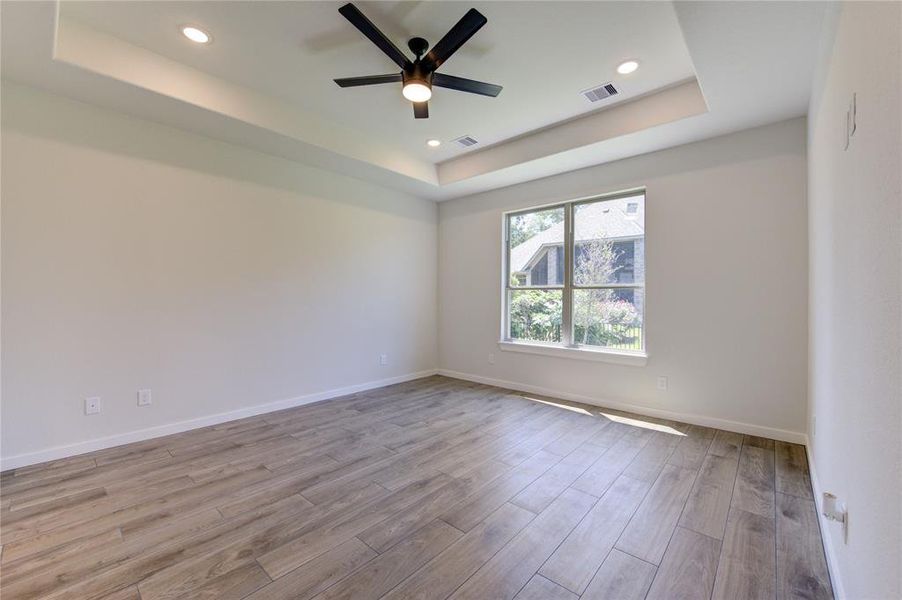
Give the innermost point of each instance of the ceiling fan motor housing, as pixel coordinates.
(416, 73)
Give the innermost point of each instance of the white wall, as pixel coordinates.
(727, 283)
(855, 199)
(139, 256)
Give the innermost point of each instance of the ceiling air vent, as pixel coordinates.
(466, 141)
(600, 93)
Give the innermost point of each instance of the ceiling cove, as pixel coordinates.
(264, 79)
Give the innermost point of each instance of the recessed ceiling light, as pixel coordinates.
(196, 35)
(627, 67)
(433, 143)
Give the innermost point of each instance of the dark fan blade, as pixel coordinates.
(465, 85)
(366, 27)
(421, 110)
(369, 80)
(455, 38)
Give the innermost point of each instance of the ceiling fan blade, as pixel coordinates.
(369, 80)
(468, 25)
(466, 85)
(421, 110)
(366, 27)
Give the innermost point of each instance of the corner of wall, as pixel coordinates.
(823, 524)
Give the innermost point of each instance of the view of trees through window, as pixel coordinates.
(525, 226)
(605, 287)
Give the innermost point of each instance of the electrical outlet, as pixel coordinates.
(834, 510)
(491, 359)
(92, 405)
(383, 359)
(144, 398)
(662, 382)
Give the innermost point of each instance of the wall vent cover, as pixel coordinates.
(601, 92)
(466, 141)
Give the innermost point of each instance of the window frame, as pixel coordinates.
(567, 346)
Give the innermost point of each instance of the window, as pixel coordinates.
(575, 274)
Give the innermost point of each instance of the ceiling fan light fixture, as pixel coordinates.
(416, 91)
(627, 67)
(418, 76)
(196, 34)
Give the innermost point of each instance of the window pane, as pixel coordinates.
(536, 315)
(609, 238)
(609, 318)
(536, 250)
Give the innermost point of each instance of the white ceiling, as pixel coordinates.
(266, 80)
(543, 53)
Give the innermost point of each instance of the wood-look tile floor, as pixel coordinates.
(435, 488)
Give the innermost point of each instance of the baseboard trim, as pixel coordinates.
(693, 419)
(65, 451)
(827, 541)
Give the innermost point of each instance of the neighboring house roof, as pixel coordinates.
(601, 220)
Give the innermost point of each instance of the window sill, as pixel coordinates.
(633, 359)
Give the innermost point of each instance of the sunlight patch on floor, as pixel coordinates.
(575, 409)
(611, 417)
(643, 424)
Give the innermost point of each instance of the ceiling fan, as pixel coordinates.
(419, 76)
